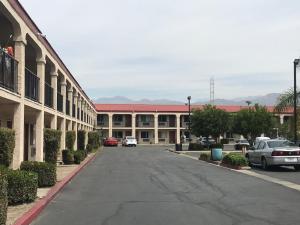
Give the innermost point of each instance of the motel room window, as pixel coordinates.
(144, 118)
(145, 134)
(162, 118)
(161, 134)
(118, 118)
(118, 134)
(186, 119)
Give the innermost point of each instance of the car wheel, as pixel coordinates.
(297, 167)
(264, 164)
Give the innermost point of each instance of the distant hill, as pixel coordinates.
(269, 99)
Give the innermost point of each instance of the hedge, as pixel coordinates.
(51, 144)
(70, 139)
(195, 147)
(79, 156)
(22, 186)
(7, 145)
(46, 172)
(3, 198)
(93, 140)
(81, 139)
(204, 156)
(68, 157)
(89, 148)
(235, 159)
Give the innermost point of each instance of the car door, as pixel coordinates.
(252, 152)
(257, 152)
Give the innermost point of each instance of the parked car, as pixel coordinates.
(274, 152)
(129, 141)
(111, 141)
(206, 142)
(241, 143)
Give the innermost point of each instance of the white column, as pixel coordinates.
(110, 117)
(63, 93)
(20, 57)
(18, 125)
(54, 76)
(54, 122)
(133, 123)
(79, 106)
(281, 119)
(70, 97)
(155, 128)
(75, 103)
(41, 65)
(177, 128)
(63, 134)
(39, 136)
(75, 129)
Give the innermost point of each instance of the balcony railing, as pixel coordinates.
(68, 107)
(8, 72)
(32, 82)
(48, 95)
(59, 102)
(74, 110)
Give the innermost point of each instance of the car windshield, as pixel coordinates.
(276, 144)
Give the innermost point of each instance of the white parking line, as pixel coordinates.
(257, 175)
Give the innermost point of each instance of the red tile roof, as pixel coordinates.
(166, 108)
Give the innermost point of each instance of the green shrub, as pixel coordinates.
(81, 139)
(7, 145)
(3, 198)
(195, 147)
(89, 148)
(68, 157)
(51, 144)
(93, 140)
(46, 172)
(70, 139)
(218, 145)
(204, 156)
(224, 141)
(79, 156)
(234, 159)
(22, 186)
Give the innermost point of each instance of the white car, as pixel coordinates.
(274, 152)
(129, 141)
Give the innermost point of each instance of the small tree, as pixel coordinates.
(94, 139)
(81, 140)
(51, 144)
(70, 139)
(209, 121)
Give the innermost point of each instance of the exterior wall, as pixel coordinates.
(19, 110)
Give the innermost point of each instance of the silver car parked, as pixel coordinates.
(274, 152)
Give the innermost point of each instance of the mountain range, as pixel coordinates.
(268, 99)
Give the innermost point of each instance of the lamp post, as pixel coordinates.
(296, 63)
(189, 102)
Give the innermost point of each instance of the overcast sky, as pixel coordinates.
(171, 48)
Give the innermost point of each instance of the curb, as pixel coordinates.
(38, 207)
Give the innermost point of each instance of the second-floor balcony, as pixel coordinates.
(32, 83)
(59, 102)
(48, 95)
(166, 124)
(149, 123)
(8, 72)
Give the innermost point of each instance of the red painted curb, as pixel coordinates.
(30, 215)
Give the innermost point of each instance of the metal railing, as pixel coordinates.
(48, 95)
(8, 72)
(32, 83)
(59, 102)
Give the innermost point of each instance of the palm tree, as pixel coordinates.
(286, 100)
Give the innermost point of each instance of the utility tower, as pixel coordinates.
(212, 91)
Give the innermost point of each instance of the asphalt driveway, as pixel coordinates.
(151, 186)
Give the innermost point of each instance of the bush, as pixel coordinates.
(234, 159)
(81, 139)
(46, 172)
(68, 157)
(204, 156)
(3, 198)
(70, 139)
(195, 147)
(89, 148)
(93, 140)
(7, 145)
(218, 145)
(224, 141)
(51, 144)
(79, 156)
(22, 186)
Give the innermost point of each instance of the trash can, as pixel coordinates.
(216, 154)
(178, 147)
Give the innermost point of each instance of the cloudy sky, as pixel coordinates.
(171, 48)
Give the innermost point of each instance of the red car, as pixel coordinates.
(111, 141)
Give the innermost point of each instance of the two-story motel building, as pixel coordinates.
(37, 90)
(153, 124)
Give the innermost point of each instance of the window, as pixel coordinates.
(161, 134)
(118, 134)
(145, 134)
(118, 118)
(162, 118)
(186, 119)
(144, 118)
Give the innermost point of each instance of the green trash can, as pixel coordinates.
(216, 154)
